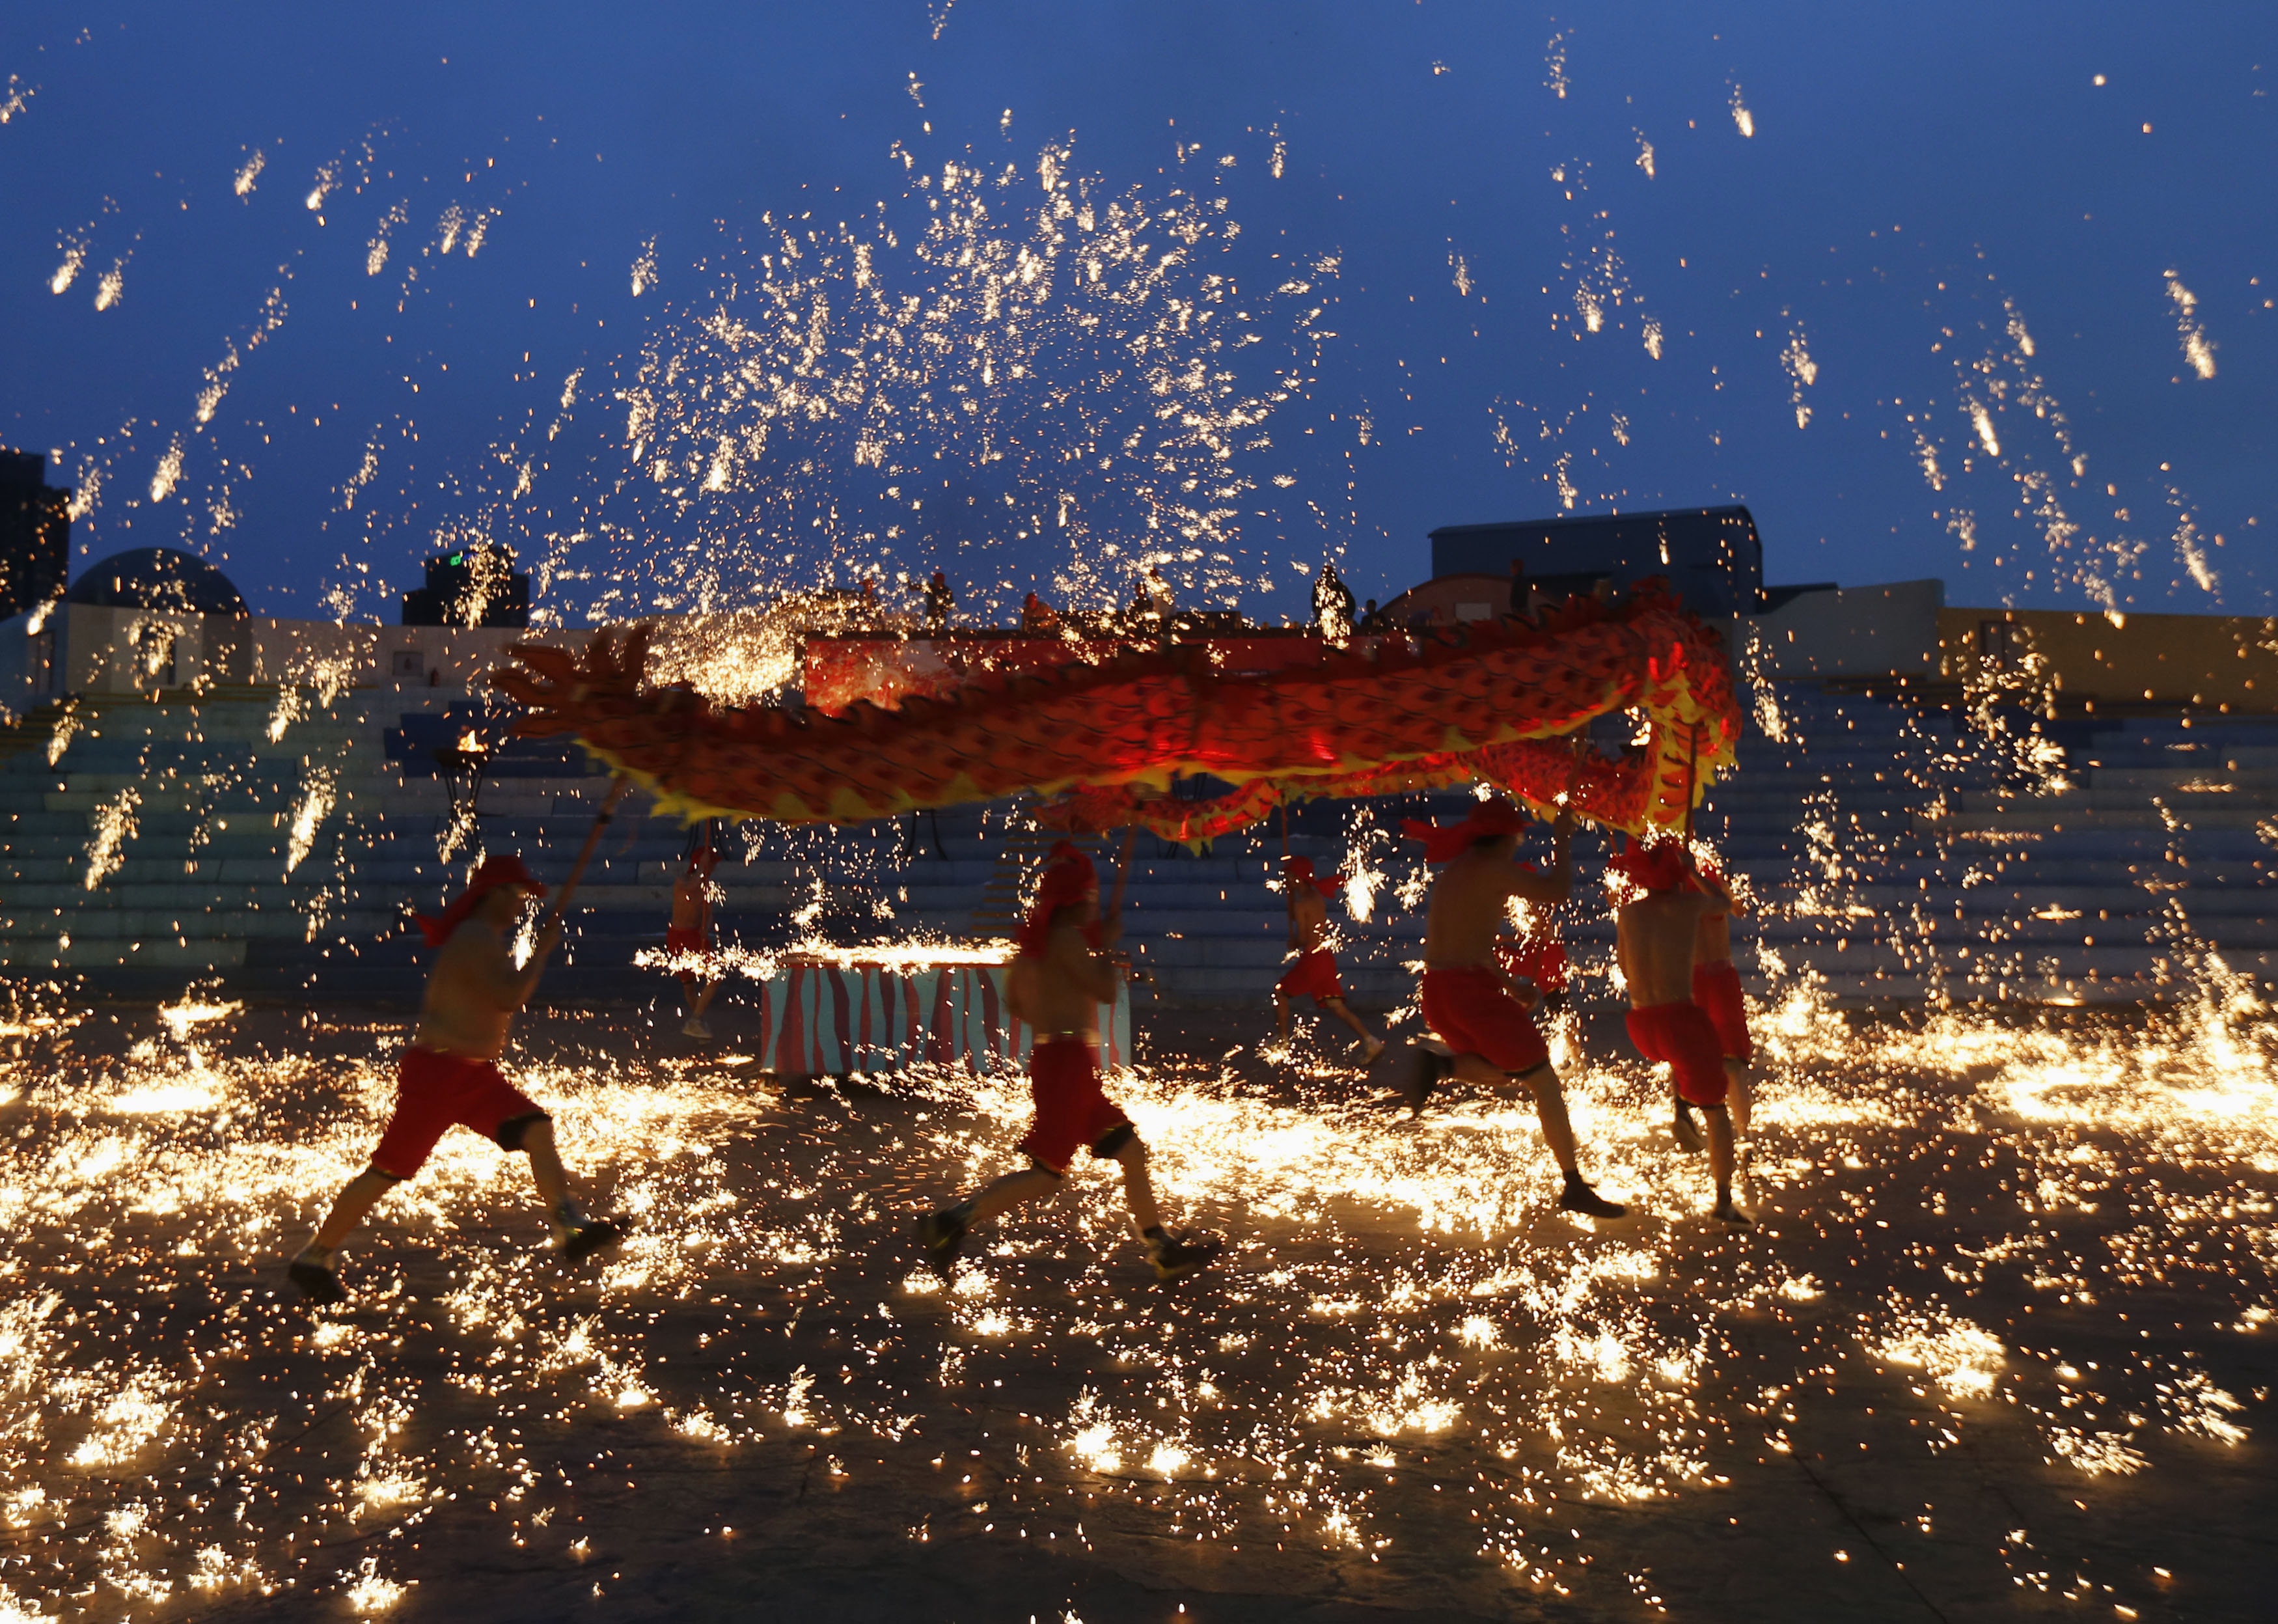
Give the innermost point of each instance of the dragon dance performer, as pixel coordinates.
(691, 932)
(1468, 1001)
(1654, 936)
(1314, 974)
(1056, 985)
(1717, 988)
(450, 1076)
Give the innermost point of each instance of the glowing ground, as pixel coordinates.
(2001, 1344)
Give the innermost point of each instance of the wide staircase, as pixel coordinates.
(275, 843)
(1900, 855)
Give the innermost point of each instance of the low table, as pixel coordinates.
(837, 1012)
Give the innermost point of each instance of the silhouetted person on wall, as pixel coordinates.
(1333, 604)
(1525, 602)
(939, 600)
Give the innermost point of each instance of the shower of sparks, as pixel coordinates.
(115, 825)
(2198, 349)
(1406, 1347)
(1803, 371)
(1036, 357)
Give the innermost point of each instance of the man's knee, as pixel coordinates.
(531, 1130)
(1121, 1144)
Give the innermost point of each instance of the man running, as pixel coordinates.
(1314, 974)
(691, 933)
(1717, 988)
(1056, 985)
(1468, 1001)
(450, 1076)
(1655, 933)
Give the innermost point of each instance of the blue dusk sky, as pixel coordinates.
(691, 303)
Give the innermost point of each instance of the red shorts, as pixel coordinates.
(1314, 975)
(678, 941)
(1681, 1035)
(1474, 1012)
(1717, 988)
(1070, 1109)
(435, 1092)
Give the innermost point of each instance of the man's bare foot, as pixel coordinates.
(1732, 1217)
(1370, 1050)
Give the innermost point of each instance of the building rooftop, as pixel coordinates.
(156, 578)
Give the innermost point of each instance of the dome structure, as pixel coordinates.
(157, 578)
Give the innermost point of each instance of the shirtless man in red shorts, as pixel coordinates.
(1468, 1001)
(691, 932)
(1056, 985)
(1655, 934)
(1314, 974)
(1717, 988)
(450, 1076)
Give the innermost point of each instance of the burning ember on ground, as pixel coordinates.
(2001, 1328)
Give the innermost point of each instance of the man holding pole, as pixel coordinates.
(689, 935)
(1657, 934)
(449, 1076)
(1468, 1001)
(1056, 985)
(1314, 974)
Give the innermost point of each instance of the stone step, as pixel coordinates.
(2087, 820)
(220, 925)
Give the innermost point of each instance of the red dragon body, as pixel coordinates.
(1492, 703)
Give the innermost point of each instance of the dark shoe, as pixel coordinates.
(1175, 1259)
(943, 1234)
(1686, 1130)
(1579, 1197)
(588, 1238)
(1425, 1070)
(319, 1284)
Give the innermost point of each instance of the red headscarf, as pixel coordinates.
(1068, 877)
(1446, 842)
(1654, 869)
(1299, 871)
(495, 872)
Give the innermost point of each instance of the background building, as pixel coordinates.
(1711, 557)
(34, 533)
(476, 586)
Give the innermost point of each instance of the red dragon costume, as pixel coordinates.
(1493, 702)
